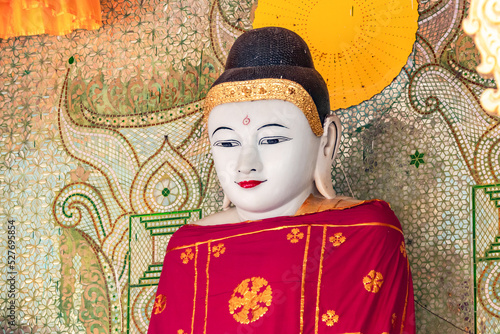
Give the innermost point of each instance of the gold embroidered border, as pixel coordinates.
(206, 293)
(303, 283)
(265, 89)
(281, 228)
(320, 273)
(195, 284)
(403, 319)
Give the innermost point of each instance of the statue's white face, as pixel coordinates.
(265, 155)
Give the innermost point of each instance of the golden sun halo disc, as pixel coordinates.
(358, 46)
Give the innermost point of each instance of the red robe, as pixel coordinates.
(341, 270)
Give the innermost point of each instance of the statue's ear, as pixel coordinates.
(330, 142)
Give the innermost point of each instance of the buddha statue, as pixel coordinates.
(286, 255)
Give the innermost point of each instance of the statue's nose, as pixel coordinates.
(249, 160)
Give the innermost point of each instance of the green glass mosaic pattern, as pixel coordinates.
(148, 239)
(103, 129)
(486, 236)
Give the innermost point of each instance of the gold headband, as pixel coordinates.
(265, 89)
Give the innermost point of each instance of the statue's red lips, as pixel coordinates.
(249, 184)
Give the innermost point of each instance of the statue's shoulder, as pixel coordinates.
(229, 216)
(318, 204)
(358, 211)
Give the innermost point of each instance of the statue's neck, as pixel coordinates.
(287, 209)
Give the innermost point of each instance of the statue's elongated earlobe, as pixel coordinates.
(326, 155)
(226, 203)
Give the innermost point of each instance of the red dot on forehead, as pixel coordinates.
(246, 120)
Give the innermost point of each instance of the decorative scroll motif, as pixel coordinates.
(474, 131)
(483, 25)
(118, 165)
(218, 250)
(83, 286)
(171, 172)
(489, 288)
(330, 318)
(373, 281)
(160, 304)
(187, 256)
(295, 236)
(142, 303)
(81, 205)
(122, 175)
(248, 304)
(222, 32)
(337, 239)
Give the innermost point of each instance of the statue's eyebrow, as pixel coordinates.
(272, 124)
(221, 128)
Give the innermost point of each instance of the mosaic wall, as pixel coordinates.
(103, 156)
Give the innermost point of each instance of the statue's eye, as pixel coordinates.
(273, 140)
(227, 143)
